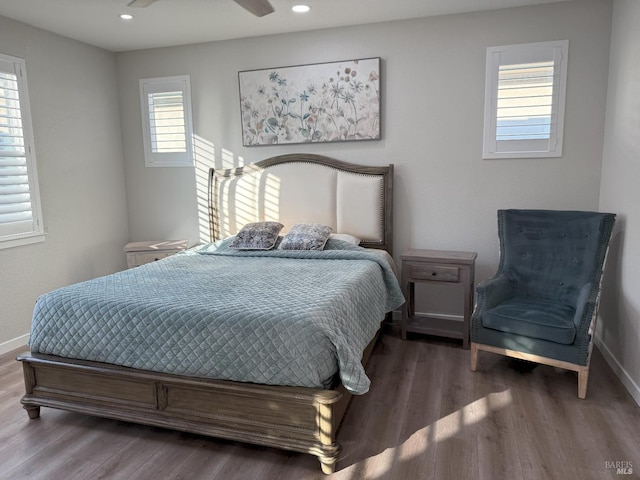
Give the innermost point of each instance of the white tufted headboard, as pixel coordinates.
(305, 188)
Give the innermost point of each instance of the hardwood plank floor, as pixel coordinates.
(427, 416)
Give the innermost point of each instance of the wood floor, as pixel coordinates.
(427, 416)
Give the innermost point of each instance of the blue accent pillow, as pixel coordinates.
(257, 236)
(306, 236)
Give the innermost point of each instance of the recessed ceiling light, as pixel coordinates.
(301, 8)
(125, 16)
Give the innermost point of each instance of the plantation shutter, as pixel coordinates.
(19, 205)
(166, 119)
(166, 112)
(524, 100)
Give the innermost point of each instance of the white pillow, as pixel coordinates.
(346, 238)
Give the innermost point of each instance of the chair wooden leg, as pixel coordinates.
(474, 356)
(583, 380)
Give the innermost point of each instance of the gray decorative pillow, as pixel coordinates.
(257, 236)
(306, 236)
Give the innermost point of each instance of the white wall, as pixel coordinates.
(73, 93)
(619, 325)
(433, 99)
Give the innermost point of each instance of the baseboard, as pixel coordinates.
(14, 344)
(619, 370)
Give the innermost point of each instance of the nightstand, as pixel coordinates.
(439, 267)
(139, 253)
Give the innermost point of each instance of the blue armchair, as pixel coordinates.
(542, 303)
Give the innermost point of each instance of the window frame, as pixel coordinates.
(556, 51)
(36, 233)
(165, 85)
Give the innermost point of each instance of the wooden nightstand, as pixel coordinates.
(139, 253)
(437, 267)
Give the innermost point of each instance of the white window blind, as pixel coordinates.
(166, 113)
(20, 213)
(524, 100)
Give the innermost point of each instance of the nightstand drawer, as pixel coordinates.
(140, 258)
(436, 273)
(140, 253)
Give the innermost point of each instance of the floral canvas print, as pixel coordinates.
(326, 102)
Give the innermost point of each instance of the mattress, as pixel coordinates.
(268, 317)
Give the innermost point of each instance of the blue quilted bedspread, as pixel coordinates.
(273, 317)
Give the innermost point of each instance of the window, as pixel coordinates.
(166, 118)
(20, 212)
(524, 100)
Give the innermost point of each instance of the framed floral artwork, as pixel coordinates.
(322, 102)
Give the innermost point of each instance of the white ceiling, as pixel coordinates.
(181, 22)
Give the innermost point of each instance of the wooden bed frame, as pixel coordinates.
(293, 418)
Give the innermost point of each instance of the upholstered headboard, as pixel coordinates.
(305, 188)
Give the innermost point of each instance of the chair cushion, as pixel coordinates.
(534, 318)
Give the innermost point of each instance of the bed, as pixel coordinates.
(139, 346)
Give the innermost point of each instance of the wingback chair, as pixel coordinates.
(542, 303)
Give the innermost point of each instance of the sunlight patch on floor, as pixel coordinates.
(430, 436)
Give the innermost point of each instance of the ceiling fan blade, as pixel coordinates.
(259, 8)
(140, 3)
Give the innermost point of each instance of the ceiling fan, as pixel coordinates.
(259, 8)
